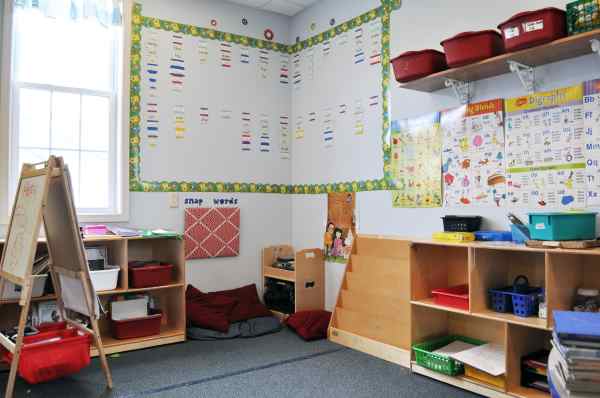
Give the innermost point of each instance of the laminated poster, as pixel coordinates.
(546, 164)
(591, 107)
(417, 161)
(340, 228)
(473, 166)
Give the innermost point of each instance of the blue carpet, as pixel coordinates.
(279, 365)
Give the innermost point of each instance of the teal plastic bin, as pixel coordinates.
(562, 226)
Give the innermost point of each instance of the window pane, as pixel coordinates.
(95, 188)
(65, 120)
(95, 123)
(63, 52)
(31, 156)
(34, 118)
(71, 159)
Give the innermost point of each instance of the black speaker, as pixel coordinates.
(279, 296)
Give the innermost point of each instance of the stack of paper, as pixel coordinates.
(489, 358)
(576, 339)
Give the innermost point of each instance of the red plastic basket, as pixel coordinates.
(532, 28)
(413, 65)
(455, 297)
(469, 47)
(149, 274)
(137, 327)
(51, 355)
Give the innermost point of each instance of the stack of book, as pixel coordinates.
(576, 339)
(534, 371)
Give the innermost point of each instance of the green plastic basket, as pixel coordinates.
(583, 16)
(425, 356)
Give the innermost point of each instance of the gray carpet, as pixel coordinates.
(279, 365)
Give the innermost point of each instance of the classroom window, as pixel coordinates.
(65, 95)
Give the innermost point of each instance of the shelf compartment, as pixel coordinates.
(278, 273)
(566, 274)
(117, 256)
(491, 269)
(167, 335)
(522, 341)
(435, 266)
(163, 250)
(430, 303)
(558, 50)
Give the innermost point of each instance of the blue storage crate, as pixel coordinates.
(525, 305)
(493, 236)
(520, 299)
(562, 226)
(501, 300)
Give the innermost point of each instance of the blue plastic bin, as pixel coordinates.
(520, 299)
(520, 233)
(562, 226)
(493, 235)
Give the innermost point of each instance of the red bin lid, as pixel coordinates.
(421, 52)
(472, 33)
(528, 13)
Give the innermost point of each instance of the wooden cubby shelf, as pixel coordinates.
(121, 251)
(385, 304)
(308, 275)
(558, 50)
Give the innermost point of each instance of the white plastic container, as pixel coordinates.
(105, 279)
(12, 291)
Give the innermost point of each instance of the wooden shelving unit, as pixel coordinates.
(308, 275)
(558, 50)
(373, 307)
(121, 251)
(385, 304)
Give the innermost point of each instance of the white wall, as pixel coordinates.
(265, 219)
(420, 24)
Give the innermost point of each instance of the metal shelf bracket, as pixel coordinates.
(462, 90)
(595, 44)
(525, 73)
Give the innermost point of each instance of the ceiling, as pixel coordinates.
(285, 7)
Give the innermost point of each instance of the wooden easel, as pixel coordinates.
(44, 194)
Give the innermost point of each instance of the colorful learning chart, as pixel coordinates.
(473, 164)
(416, 162)
(591, 123)
(546, 163)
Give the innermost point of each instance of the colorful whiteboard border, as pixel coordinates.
(138, 185)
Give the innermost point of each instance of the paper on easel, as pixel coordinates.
(74, 297)
(489, 358)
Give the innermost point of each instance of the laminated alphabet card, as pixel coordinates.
(546, 162)
(473, 165)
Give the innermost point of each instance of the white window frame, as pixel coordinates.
(119, 142)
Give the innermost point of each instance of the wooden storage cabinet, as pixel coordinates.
(308, 275)
(171, 297)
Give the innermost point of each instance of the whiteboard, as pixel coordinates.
(212, 110)
(24, 226)
(337, 107)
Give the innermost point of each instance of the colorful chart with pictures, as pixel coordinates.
(473, 165)
(591, 123)
(545, 156)
(416, 162)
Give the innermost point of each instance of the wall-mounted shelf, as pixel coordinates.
(558, 50)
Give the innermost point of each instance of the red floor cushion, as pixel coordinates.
(209, 311)
(248, 304)
(310, 325)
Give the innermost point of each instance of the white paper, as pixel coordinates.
(73, 296)
(454, 348)
(489, 358)
(129, 309)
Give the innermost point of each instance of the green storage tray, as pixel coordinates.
(583, 16)
(562, 226)
(425, 356)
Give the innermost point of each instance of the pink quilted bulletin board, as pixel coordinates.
(212, 232)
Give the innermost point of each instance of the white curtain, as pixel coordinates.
(106, 12)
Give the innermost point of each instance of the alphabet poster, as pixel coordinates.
(416, 161)
(591, 107)
(545, 149)
(473, 155)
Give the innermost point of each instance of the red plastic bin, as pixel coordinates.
(413, 65)
(51, 355)
(148, 274)
(532, 28)
(455, 297)
(469, 47)
(137, 327)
